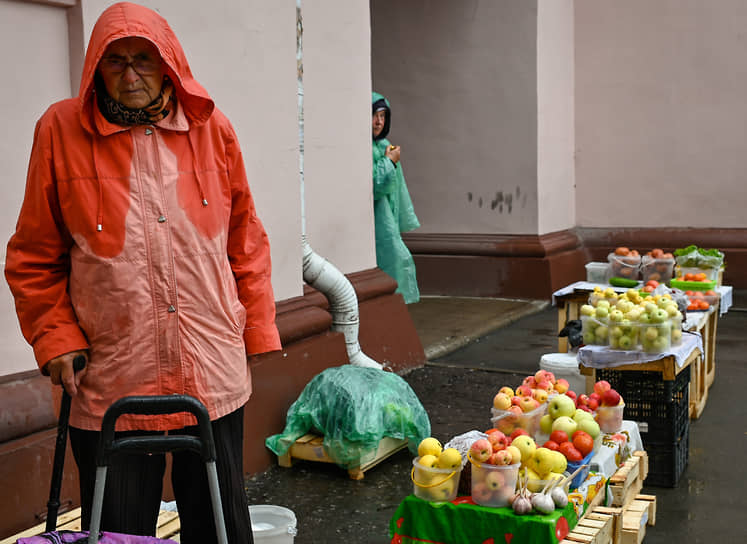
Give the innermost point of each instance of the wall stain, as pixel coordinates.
(469, 197)
(479, 202)
(500, 201)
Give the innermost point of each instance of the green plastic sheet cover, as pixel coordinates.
(354, 408)
(462, 521)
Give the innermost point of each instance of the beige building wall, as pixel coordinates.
(244, 54)
(661, 114)
(555, 117)
(462, 81)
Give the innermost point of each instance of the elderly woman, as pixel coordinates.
(393, 211)
(138, 246)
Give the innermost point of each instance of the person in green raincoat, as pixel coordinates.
(393, 210)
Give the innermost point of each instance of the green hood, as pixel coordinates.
(377, 101)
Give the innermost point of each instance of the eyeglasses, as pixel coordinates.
(143, 66)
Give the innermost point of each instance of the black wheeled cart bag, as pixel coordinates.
(109, 446)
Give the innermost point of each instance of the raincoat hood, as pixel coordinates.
(378, 101)
(124, 20)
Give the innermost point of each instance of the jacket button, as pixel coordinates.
(148, 132)
(172, 309)
(162, 219)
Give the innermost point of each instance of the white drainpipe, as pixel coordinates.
(317, 271)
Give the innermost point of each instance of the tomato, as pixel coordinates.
(584, 443)
(692, 306)
(710, 293)
(703, 305)
(689, 277)
(700, 276)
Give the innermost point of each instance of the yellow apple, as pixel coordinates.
(525, 444)
(429, 446)
(450, 458)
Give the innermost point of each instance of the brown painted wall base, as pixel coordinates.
(532, 266)
(386, 334)
(496, 265)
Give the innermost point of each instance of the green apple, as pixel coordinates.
(601, 312)
(603, 304)
(564, 423)
(644, 318)
(658, 316)
(625, 342)
(616, 315)
(650, 307)
(601, 332)
(651, 333)
(560, 405)
(580, 414)
(590, 426)
(589, 337)
(587, 309)
(615, 331)
(546, 424)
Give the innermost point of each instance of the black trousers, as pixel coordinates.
(134, 485)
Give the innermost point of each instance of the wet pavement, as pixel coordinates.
(457, 388)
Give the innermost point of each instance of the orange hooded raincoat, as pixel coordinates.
(142, 244)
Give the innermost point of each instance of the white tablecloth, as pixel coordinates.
(615, 448)
(605, 357)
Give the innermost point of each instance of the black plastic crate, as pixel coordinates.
(663, 406)
(667, 461)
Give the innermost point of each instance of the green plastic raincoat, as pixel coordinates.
(393, 214)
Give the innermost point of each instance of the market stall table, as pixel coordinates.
(569, 299)
(655, 390)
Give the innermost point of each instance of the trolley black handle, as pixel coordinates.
(53, 504)
(156, 405)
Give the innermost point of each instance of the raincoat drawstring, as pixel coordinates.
(194, 167)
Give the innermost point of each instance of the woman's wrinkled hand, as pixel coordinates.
(61, 371)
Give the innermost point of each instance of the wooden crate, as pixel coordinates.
(698, 387)
(628, 480)
(636, 516)
(310, 448)
(168, 526)
(595, 527)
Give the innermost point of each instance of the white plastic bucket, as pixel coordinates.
(565, 365)
(272, 524)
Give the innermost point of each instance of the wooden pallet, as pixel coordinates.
(168, 526)
(310, 448)
(628, 480)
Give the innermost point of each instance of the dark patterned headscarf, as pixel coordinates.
(117, 113)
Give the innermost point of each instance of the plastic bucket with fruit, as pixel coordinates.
(507, 421)
(676, 330)
(597, 272)
(595, 330)
(624, 266)
(660, 269)
(655, 337)
(610, 418)
(623, 335)
(434, 484)
(493, 485)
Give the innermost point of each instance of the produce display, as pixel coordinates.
(631, 320)
(624, 263)
(657, 265)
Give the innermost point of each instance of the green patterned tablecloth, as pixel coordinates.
(463, 522)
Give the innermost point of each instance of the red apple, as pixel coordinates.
(497, 440)
(582, 400)
(570, 393)
(596, 396)
(593, 404)
(515, 400)
(501, 457)
(611, 398)
(481, 450)
(601, 386)
(531, 381)
(524, 391)
(562, 385)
